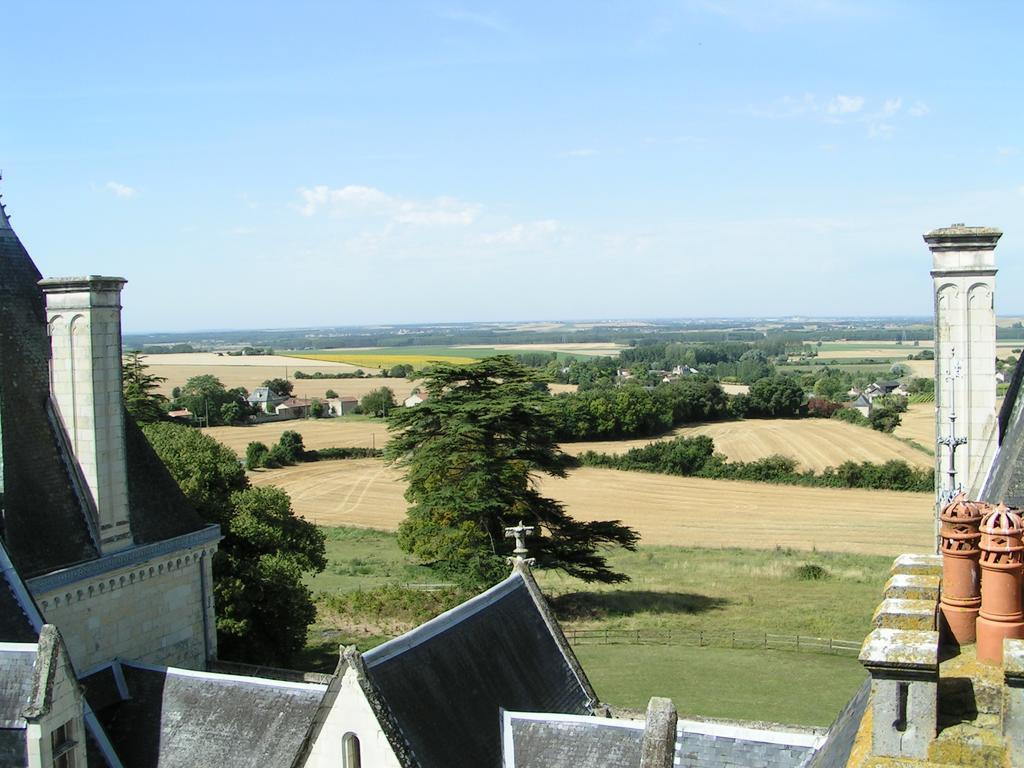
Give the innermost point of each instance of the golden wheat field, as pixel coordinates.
(316, 433)
(814, 443)
(665, 510)
(378, 360)
(918, 424)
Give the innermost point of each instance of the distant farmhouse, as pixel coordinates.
(108, 650)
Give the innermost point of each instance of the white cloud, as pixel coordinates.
(121, 190)
(530, 233)
(919, 109)
(845, 105)
(880, 130)
(356, 200)
(891, 107)
(581, 152)
(1007, 151)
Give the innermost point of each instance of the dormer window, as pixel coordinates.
(62, 745)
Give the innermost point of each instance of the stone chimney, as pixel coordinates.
(658, 748)
(84, 321)
(963, 280)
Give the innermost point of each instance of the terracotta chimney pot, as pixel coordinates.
(1002, 560)
(961, 577)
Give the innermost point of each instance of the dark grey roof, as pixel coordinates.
(180, 718)
(835, 751)
(446, 682)
(44, 523)
(158, 509)
(552, 741)
(547, 741)
(15, 626)
(1005, 481)
(709, 747)
(16, 662)
(12, 748)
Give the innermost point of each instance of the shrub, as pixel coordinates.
(884, 419)
(290, 444)
(811, 572)
(256, 455)
(820, 408)
(330, 394)
(851, 416)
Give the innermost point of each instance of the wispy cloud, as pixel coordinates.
(370, 202)
(485, 20)
(1007, 151)
(879, 119)
(121, 190)
(845, 105)
(522, 234)
(581, 152)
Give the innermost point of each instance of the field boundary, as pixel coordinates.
(715, 638)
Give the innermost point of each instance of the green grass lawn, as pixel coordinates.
(671, 588)
(777, 686)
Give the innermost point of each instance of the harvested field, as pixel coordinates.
(814, 443)
(665, 510)
(918, 424)
(316, 433)
(735, 389)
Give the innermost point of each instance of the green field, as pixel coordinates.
(672, 589)
(777, 686)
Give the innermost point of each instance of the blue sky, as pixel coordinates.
(276, 165)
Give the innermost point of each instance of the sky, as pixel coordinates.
(257, 165)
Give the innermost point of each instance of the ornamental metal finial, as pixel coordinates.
(951, 441)
(520, 532)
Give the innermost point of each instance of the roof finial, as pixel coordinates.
(5, 222)
(520, 532)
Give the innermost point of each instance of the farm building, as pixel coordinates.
(265, 399)
(294, 408)
(341, 406)
(415, 398)
(108, 653)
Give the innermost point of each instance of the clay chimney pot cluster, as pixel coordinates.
(961, 578)
(1002, 561)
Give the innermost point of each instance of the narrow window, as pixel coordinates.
(350, 751)
(902, 689)
(62, 745)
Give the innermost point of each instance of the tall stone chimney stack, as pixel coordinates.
(84, 320)
(963, 279)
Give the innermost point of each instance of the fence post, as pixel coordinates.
(700, 639)
(606, 635)
(638, 637)
(830, 646)
(734, 639)
(798, 643)
(765, 639)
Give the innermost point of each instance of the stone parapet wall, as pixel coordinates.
(158, 610)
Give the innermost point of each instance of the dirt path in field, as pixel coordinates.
(665, 510)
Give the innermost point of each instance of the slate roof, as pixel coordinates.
(46, 522)
(446, 682)
(835, 750)
(1005, 481)
(16, 662)
(547, 741)
(552, 741)
(176, 718)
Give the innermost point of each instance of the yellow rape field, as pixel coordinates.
(373, 360)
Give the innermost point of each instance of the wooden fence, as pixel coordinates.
(715, 638)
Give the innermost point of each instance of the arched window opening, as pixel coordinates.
(350, 751)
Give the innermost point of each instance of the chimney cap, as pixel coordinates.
(82, 284)
(959, 236)
(961, 509)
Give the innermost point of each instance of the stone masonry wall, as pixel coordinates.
(151, 611)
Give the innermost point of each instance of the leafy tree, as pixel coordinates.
(330, 394)
(400, 371)
(206, 396)
(316, 409)
(884, 419)
(776, 396)
(141, 399)
(378, 402)
(471, 453)
(291, 444)
(281, 387)
(263, 606)
(256, 455)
